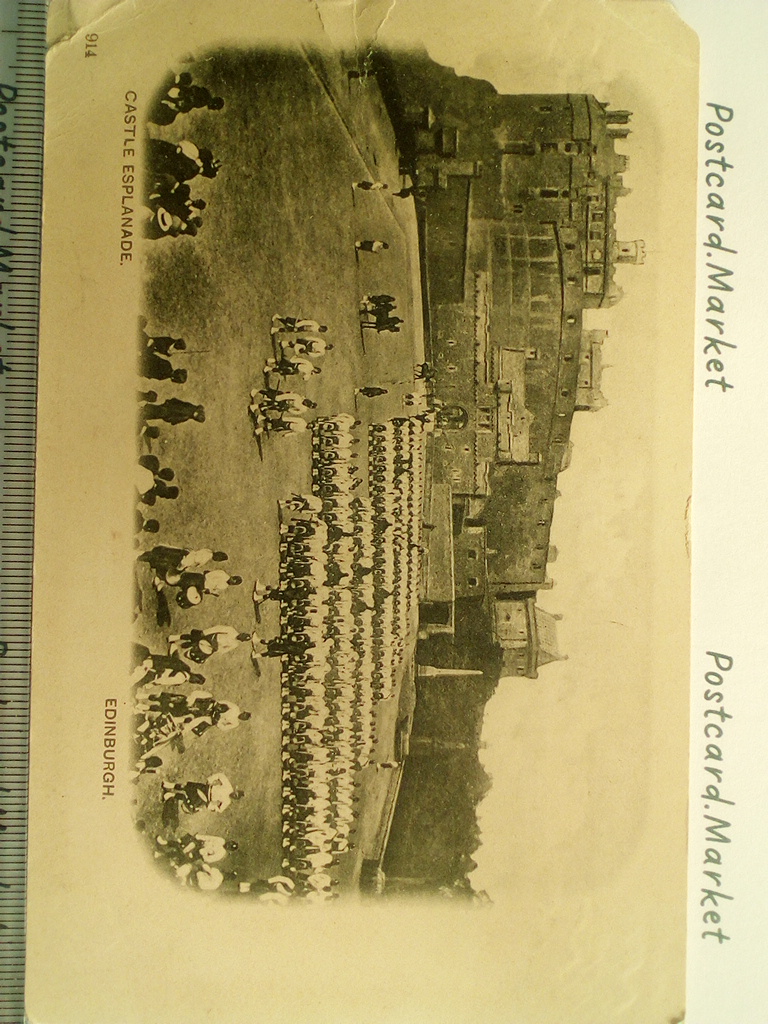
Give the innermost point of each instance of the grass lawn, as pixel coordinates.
(278, 235)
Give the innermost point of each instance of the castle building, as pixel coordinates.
(518, 238)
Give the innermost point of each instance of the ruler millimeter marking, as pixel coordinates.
(22, 71)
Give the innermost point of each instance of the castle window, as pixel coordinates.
(452, 368)
(549, 193)
(472, 553)
(546, 109)
(570, 246)
(517, 208)
(571, 280)
(565, 392)
(467, 448)
(473, 581)
(568, 357)
(531, 353)
(451, 342)
(598, 215)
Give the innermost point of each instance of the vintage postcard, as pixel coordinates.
(362, 583)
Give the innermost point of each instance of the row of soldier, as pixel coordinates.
(346, 572)
(298, 343)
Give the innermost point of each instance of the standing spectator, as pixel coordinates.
(173, 411)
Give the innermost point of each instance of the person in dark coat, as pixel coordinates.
(145, 525)
(165, 108)
(152, 463)
(160, 490)
(164, 224)
(213, 713)
(371, 392)
(157, 367)
(165, 702)
(163, 560)
(193, 586)
(197, 97)
(378, 306)
(190, 589)
(180, 97)
(200, 644)
(176, 198)
(168, 561)
(156, 664)
(152, 481)
(213, 795)
(173, 411)
(181, 162)
(388, 323)
(407, 192)
(164, 345)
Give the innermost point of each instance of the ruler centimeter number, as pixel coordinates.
(22, 76)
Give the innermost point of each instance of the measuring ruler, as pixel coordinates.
(22, 75)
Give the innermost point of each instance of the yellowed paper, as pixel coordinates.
(497, 795)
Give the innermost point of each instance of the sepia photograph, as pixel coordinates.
(363, 484)
(364, 341)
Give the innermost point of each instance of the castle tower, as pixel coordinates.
(629, 252)
(526, 634)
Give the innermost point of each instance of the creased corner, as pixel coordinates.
(67, 17)
(354, 24)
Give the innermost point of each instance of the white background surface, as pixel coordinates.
(727, 982)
